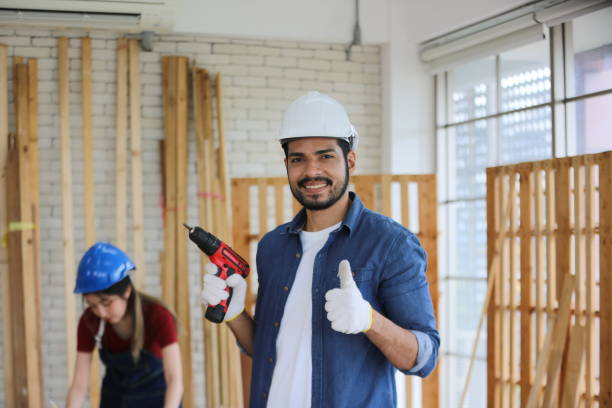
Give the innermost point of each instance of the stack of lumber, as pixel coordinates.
(19, 216)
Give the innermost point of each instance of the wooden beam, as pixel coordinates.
(493, 228)
(9, 398)
(169, 208)
(66, 180)
(592, 353)
(552, 353)
(211, 352)
(88, 191)
(23, 259)
(574, 368)
(136, 161)
(121, 146)
(605, 283)
(526, 280)
(428, 228)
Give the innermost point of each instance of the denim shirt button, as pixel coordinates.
(286, 289)
(297, 255)
(270, 360)
(276, 324)
(264, 395)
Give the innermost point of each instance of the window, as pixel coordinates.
(543, 99)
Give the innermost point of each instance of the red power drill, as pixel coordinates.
(228, 262)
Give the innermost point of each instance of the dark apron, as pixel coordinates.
(129, 385)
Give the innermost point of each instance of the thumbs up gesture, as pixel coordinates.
(346, 309)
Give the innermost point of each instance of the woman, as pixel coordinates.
(135, 334)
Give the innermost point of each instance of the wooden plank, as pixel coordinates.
(169, 100)
(512, 293)
(34, 186)
(590, 260)
(262, 206)
(88, 191)
(504, 294)
(9, 397)
(182, 281)
(574, 368)
(88, 179)
(67, 217)
(15, 241)
(202, 122)
(136, 161)
(206, 327)
(562, 215)
(27, 303)
(428, 226)
(551, 265)
(540, 267)
(241, 230)
(279, 202)
(386, 203)
(121, 145)
(223, 168)
(493, 232)
(365, 191)
(553, 345)
(526, 359)
(579, 240)
(405, 203)
(605, 283)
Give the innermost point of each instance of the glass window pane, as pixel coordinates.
(454, 380)
(469, 234)
(472, 90)
(593, 123)
(526, 136)
(471, 155)
(525, 76)
(592, 53)
(465, 305)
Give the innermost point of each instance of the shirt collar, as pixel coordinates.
(349, 222)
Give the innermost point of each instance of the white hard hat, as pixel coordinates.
(317, 115)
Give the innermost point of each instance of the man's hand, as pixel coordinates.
(346, 309)
(213, 291)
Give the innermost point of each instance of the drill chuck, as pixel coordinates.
(207, 242)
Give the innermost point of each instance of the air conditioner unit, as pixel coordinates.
(119, 15)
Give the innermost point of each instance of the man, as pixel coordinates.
(343, 298)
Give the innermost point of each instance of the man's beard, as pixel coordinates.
(334, 195)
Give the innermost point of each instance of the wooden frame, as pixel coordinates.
(565, 215)
(376, 191)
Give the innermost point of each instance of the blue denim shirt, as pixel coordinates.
(388, 264)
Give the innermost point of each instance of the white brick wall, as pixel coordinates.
(260, 78)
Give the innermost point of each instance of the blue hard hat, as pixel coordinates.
(101, 267)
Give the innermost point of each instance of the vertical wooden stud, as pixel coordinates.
(526, 360)
(66, 179)
(121, 145)
(428, 225)
(605, 284)
(136, 162)
(9, 398)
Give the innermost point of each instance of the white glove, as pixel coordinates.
(213, 291)
(346, 309)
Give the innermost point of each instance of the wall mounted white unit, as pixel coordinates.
(119, 15)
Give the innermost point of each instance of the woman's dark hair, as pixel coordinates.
(134, 308)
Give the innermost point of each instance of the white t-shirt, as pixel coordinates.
(291, 380)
